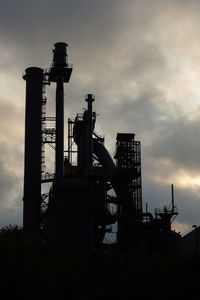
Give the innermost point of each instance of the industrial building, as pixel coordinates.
(90, 191)
(191, 241)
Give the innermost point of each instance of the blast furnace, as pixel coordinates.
(89, 191)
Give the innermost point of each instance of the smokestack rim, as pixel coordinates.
(60, 44)
(33, 71)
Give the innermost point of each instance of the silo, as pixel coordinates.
(32, 157)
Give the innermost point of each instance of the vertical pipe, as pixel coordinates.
(59, 129)
(32, 157)
(89, 100)
(172, 188)
(197, 239)
(68, 141)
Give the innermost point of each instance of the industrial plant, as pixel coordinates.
(91, 193)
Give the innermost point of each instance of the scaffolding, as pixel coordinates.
(128, 163)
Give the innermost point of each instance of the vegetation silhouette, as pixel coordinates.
(36, 269)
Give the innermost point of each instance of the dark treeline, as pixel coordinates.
(36, 269)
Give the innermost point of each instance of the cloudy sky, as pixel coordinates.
(141, 59)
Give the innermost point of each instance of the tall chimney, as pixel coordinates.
(60, 72)
(32, 159)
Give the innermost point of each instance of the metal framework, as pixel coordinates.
(128, 163)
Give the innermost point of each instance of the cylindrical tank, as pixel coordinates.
(71, 213)
(60, 54)
(32, 157)
(80, 138)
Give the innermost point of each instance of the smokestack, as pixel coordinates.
(89, 99)
(32, 160)
(60, 72)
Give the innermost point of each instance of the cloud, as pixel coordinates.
(11, 163)
(179, 142)
(11, 197)
(140, 59)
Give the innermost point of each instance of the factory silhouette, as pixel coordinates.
(91, 192)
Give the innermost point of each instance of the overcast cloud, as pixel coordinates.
(141, 59)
